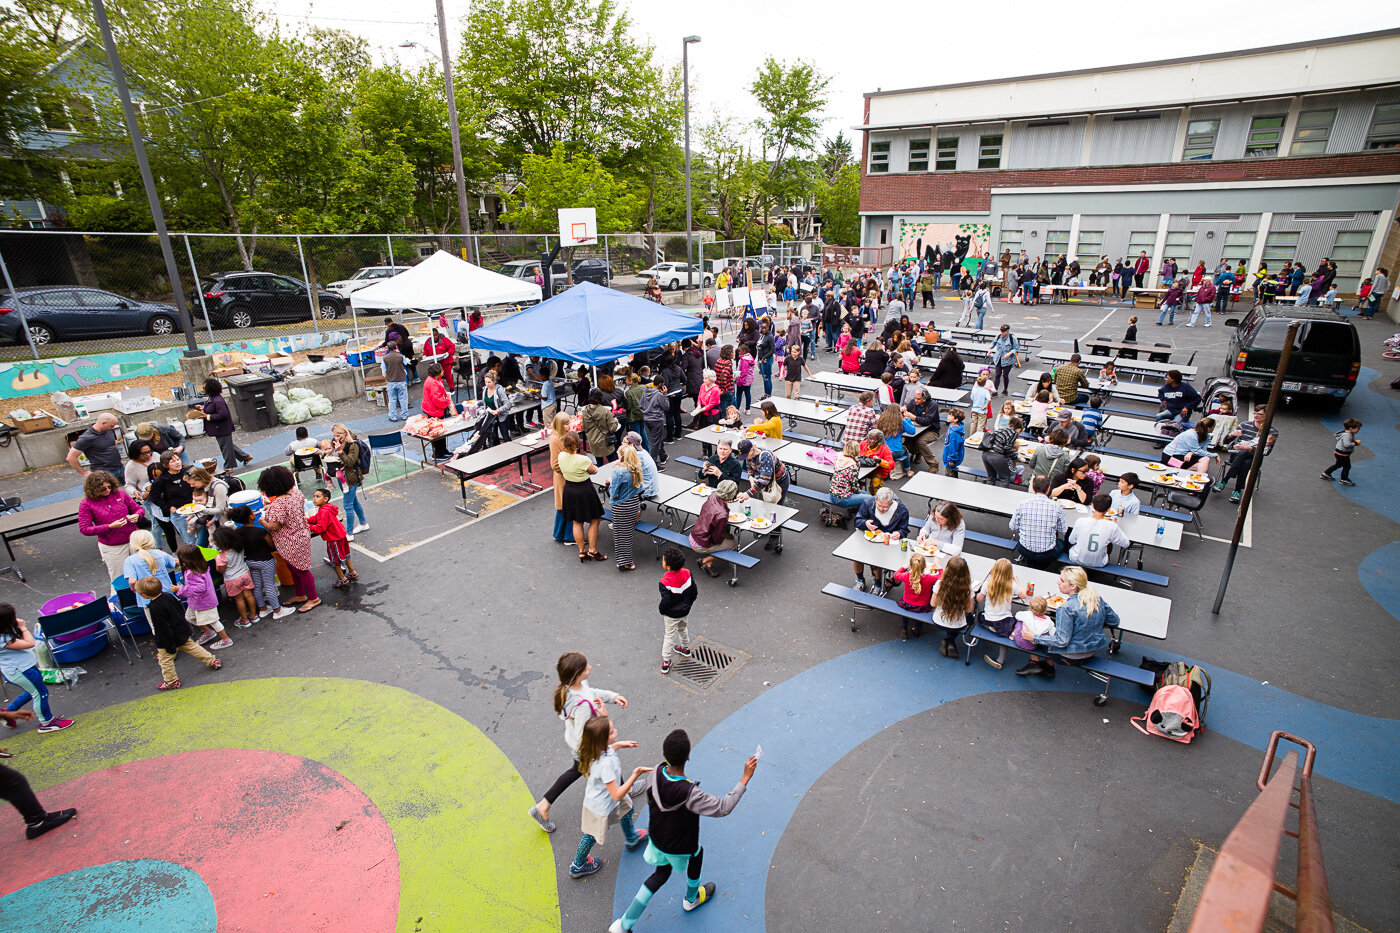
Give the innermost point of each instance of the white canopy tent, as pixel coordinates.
(440, 282)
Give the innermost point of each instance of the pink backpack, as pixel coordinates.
(1171, 715)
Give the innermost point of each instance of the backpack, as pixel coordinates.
(364, 454)
(1194, 679)
(832, 519)
(234, 484)
(1171, 715)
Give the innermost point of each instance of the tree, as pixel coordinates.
(839, 201)
(791, 97)
(558, 180)
(836, 155)
(30, 39)
(729, 172)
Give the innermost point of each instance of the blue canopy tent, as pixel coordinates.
(587, 324)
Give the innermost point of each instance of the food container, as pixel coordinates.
(39, 422)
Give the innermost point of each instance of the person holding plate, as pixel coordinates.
(1079, 623)
(883, 516)
(945, 528)
(710, 533)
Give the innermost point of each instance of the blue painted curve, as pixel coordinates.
(810, 722)
(146, 895)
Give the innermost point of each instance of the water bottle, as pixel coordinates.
(1161, 529)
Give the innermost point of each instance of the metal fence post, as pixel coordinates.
(310, 293)
(607, 263)
(390, 241)
(19, 308)
(194, 273)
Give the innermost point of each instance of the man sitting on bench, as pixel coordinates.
(882, 515)
(1078, 632)
(1038, 523)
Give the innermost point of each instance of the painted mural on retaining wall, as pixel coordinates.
(32, 377)
(922, 239)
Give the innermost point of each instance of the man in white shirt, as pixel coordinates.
(1090, 538)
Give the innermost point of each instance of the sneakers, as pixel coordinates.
(1346, 482)
(50, 821)
(214, 665)
(349, 536)
(666, 666)
(1220, 486)
(360, 528)
(639, 787)
(546, 824)
(221, 643)
(992, 662)
(284, 612)
(265, 611)
(1325, 476)
(1190, 325)
(587, 868)
(861, 584)
(682, 650)
(204, 639)
(55, 725)
(641, 840)
(1236, 496)
(243, 623)
(1207, 324)
(703, 896)
(1030, 667)
(617, 927)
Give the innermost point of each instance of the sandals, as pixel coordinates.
(172, 685)
(597, 555)
(583, 557)
(352, 575)
(709, 569)
(308, 606)
(626, 567)
(340, 584)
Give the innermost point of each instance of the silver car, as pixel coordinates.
(367, 275)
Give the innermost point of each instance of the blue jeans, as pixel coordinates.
(31, 685)
(765, 369)
(743, 397)
(725, 400)
(981, 317)
(853, 502)
(353, 509)
(398, 401)
(563, 531)
(1168, 311)
(641, 429)
(1028, 292)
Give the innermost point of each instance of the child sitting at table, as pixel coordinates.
(995, 595)
(325, 521)
(172, 631)
(917, 594)
(1040, 415)
(1033, 623)
(731, 418)
(1096, 474)
(200, 596)
(952, 604)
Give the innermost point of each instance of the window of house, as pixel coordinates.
(1313, 130)
(1349, 253)
(1237, 247)
(918, 155)
(947, 154)
(1011, 240)
(989, 152)
(879, 157)
(1090, 245)
(1056, 242)
(1265, 135)
(1279, 247)
(55, 116)
(1200, 140)
(1385, 127)
(1141, 241)
(1178, 246)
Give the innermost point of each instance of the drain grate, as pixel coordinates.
(708, 666)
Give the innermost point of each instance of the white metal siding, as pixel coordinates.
(1044, 146)
(1354, 118)
(1134, 142)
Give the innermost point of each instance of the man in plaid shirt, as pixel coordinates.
(861, 418)
(1038, 523)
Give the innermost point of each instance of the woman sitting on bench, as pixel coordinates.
(1078, 632)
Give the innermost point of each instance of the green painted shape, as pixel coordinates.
(469, 858)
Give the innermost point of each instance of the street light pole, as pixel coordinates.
(685, 77)
(138, 148)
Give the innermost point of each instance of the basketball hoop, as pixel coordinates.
(578, 226)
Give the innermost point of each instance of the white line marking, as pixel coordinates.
(1090, 331)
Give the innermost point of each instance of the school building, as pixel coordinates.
(1264, 155)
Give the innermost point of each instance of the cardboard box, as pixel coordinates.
(33, 425)
(134, 401)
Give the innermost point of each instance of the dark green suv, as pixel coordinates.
(1326, 354)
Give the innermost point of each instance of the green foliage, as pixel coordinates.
(559, 180)
(839, 201)
(791, 97)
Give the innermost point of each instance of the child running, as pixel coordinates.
(20, 666)
(678, 594)
(326, 523)
(172, 631)
(995, 595)
(918, 592)
(604, 799)
(675, 806)
(238, 579)
(200, 596)
(262, 564)
(952, 603)
(576, 703)
(1341, 454)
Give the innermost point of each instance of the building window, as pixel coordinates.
(1385, 127)
(55, 116)
(1056, 243)
(947, 155)
(1265, 135)
(1011, 241)
(1090, 245)
(1349, 252)
(918, 155)
(1237, 247)
(1178, 246)
(879, 157)
(1141, 241)
(1200, 140)
(1279, 247)
(1313, 131)
(989, 152)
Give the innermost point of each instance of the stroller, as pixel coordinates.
(1217, 391)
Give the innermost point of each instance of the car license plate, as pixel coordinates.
(1292, 386)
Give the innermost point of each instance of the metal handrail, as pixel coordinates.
(1236, 895)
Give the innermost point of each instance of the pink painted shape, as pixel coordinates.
(259, 827)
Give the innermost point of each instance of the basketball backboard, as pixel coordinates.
(578, 226)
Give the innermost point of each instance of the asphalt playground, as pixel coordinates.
(369, 765)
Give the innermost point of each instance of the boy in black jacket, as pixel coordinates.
(172, 630)
(675, 805)
(678, 594)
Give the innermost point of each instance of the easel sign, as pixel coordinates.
(578, 226)
(758, 300)
(722, 299)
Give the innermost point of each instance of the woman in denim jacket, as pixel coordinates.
(1078, 631)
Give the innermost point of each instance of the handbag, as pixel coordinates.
(868, 461)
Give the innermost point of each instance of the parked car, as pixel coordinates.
(525, 269)
(366, 275)
(246, 299)
(672, 275)
(594, 270)
(1326, 356)
(69, 313)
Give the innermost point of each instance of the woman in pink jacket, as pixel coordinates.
(108, 514)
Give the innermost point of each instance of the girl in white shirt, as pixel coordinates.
(995, 595)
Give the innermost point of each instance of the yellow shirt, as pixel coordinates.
(574, 467)
(773, 427)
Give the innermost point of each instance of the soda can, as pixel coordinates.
(1030, 590)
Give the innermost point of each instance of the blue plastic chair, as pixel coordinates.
(379, 443)
(133, 616)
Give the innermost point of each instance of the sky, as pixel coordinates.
(890, 44)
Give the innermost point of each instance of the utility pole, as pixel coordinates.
(456, 140)
(685, 78)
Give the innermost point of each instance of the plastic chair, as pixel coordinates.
(1192, 502)
(10, 504)
(87, 615)
(379, 443)
(126, 606)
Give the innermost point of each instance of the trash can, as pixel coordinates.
(251, 398)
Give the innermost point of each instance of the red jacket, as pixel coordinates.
(326, 523)
(440, 347)
(435, 398)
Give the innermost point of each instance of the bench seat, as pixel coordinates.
(1100, 668)
(734, 558)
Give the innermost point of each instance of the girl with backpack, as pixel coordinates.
(575, 702)
(351, 465)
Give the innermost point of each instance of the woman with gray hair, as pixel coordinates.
(710, 533)
(883, 515)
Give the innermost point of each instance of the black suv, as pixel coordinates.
(1326, 354)
(246, 299)
(592, 270)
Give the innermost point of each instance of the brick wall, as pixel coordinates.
(972, 191)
